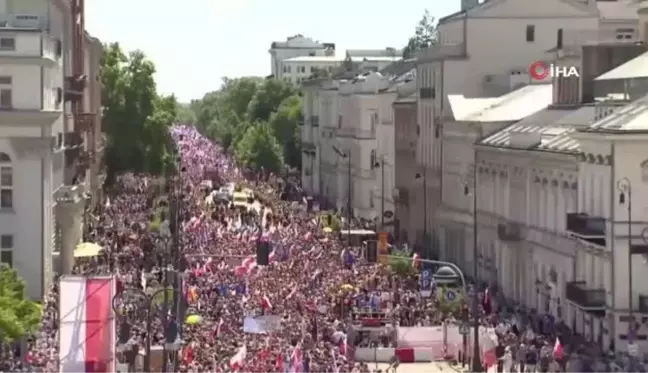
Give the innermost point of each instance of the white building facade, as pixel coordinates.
(31, 116)
(485, 51)
(36, 128)
(296, 46)
(300, 69)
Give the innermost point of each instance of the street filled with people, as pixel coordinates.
(293, 314)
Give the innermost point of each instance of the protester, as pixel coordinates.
(314, 286)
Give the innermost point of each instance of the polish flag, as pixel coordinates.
(240, 271)
(265, 302)
(247, 262)
(272, 256)
(297, 360)
(558, 351)
(87, 324)
(308, 236)
(217, 330)
(238, 361)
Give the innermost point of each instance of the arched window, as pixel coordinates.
(6, 181)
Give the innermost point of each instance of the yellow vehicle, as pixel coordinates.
(240, 199)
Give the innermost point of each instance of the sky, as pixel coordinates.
(195, 43)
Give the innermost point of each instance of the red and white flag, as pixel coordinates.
(297, 360)
(217, 329)
(238, 361)
(558, 351)
(265, 302)
(87, 324)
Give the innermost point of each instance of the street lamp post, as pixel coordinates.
(625, 197)
(476, 363)
(381, 164)
(346, 155)
(148, 303)
(425, 219)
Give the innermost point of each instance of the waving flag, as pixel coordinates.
(265, 302)
(297, 360)
(238, 361)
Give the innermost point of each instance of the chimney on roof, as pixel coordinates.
(467, 4)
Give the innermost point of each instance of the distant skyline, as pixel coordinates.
(195, 45)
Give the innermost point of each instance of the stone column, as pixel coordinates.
(69, 208)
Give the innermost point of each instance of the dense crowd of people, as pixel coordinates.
(314, 289)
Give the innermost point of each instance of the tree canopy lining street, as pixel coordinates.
(136, 118)
(256, 119)
(18, 315)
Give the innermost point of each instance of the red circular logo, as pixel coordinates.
(538, 70)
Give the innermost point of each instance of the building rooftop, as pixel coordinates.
(630, 117)
(537, 131)
(635, 68)
(335, 59)
(510, 107)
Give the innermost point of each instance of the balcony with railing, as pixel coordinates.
(587, 228)
(31, 48)
(587, 299)
(75, 87)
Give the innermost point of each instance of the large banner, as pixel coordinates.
(447, 335)
(86, 324)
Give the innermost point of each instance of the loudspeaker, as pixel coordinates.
(372, 251)
(263, 253)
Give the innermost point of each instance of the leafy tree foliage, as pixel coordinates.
(401, 262)
(259, 149)
(425, 36)
(246, 110)
(18, 315)
(136, 118)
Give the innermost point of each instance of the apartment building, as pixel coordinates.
(485, 51)
(560, 225)
(39, 85)
(296, 46)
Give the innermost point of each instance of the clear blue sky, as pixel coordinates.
(194, 43)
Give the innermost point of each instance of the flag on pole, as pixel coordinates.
(558, 351)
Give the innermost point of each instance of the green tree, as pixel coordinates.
(258, 148)
(285, 127)
(136, 119)
(227, 114)
(270, 94)
(18, 315)
(185, 114)
(425, 35)
(401, 262)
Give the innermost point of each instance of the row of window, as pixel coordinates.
(620, 33)
(6, 182)
(305, 69)
(6, 249)
(6, 93)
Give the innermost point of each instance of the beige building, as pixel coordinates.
(406, 169)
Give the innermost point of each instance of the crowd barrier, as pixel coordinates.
(404, 354)
(425, 344)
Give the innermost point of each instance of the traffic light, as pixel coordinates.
(329, 220)
(372, 251)
(171, 332)
(124, 332)
(263, 253)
